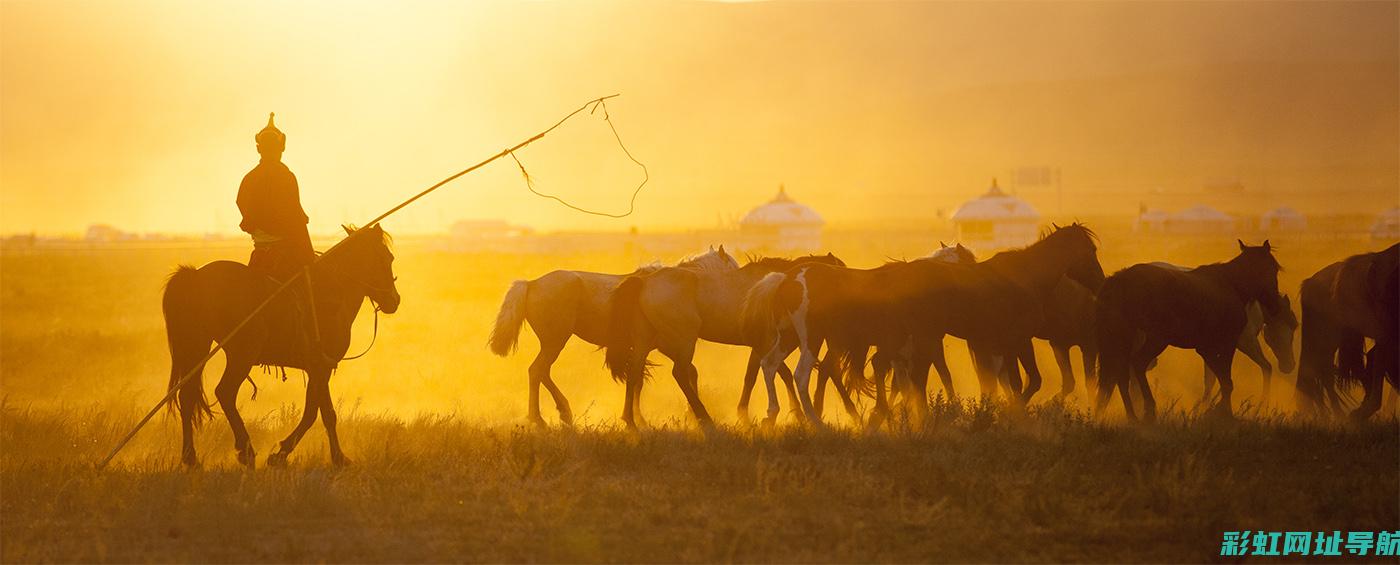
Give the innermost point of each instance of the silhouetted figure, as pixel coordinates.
(271, 205)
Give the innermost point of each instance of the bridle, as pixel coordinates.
(370, 289)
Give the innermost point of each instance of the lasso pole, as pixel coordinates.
(198, 369)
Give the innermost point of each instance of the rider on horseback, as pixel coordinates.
(271, 205)
(272, 212)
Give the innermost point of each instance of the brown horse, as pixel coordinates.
(1277, 329)
(996, 305)
(1145, 308)
(562, 304)
(671, 309)
(1344, 304)
(203, 305)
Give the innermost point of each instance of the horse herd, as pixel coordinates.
(892, 318)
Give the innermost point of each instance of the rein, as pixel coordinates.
(373, 336)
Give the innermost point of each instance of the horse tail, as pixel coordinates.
(853, 365)
(623, 309)
(179, 304)
(506, 334)
(1114, 336)
(760, 309)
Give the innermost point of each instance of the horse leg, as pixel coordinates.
(803, 375)
(987, 377)
(1089, 355)
(539, 374)
(750, 379)
(772, 361)
(1026, 353)
(687, 377)
(1219, 363)
(308, 417)
(1066, 369)
(881, 412)
(1250, 348)
(1143, 357)
(846, 400)
(191, 395)
(921, 354)
(1208, 384)
(328, 420)
(819, 397)
(235, 372)
(786, 374)
(940, 363)
(630, 406)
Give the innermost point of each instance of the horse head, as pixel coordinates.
(1080, 245)
(1257, 274)
(1279, 330)
(953, 254)
(369, 264)
(711, 260)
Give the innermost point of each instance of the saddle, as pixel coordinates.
(293, 338)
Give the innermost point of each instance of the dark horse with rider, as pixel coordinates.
(311, 304)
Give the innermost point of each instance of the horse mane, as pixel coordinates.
(759, 261)
(351, 230)
(1047, 233)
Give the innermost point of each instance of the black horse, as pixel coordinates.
(205, 304)
(1145, 308)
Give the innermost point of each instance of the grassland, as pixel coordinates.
(445, 471)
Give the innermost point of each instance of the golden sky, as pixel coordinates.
(142, 114)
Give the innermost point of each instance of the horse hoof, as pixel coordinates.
(248, 458)
(340, 461)
(278, 460)
(190, 463)
(566, 419)
(537, 422)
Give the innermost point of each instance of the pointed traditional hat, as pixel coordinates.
(270, 136)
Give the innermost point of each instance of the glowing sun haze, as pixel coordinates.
(142, 114)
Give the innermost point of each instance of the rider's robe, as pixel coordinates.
(271, 205)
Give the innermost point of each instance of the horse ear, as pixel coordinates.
(347, 229)
(1242, 245)
(830, 254)
(1054, 225)
(1266, 245)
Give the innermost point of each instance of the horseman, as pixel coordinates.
(271, 205)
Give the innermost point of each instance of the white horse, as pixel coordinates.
(563, 304)
(671, 309)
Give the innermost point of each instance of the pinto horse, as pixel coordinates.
(562, 304)
(1344, 304)
(996, 305)
(205, 304)
(1145, 308)
(671, 309)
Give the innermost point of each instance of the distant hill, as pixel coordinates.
(1276, 128)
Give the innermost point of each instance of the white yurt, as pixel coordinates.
(1151, 221)
(1283, 219)
(996, 220)
(782, 224)
(1200, 219)
(1387, 226)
